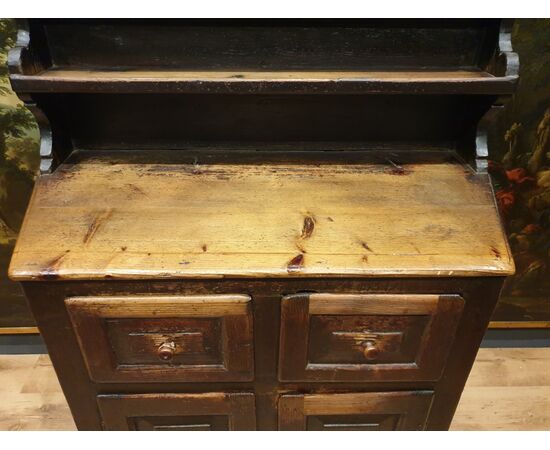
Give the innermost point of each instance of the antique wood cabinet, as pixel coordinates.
(263, 224)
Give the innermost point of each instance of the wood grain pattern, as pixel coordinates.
(31, 396)
(150, 216)
(519, 324)
(290, 411)
(292, 44)
(310, 46)
(409, 57)
(385, 339)
(405, 349)
(409, 408)
(175, 75)
(118, 410)
(121, 337)
(508, 389)
(161, 306)
(496, 409)
(511, 367)
(372, 304)
(292, 82)
(210, 220)
(19, 330)
(15, 371)
(354, 403)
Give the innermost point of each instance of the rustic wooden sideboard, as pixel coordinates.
(263, 224)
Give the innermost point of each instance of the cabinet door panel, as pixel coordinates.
(362, 411)
(215, 411)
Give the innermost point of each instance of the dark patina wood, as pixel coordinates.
(263, 224)
(369, 411)
(47, 303)
(178, 412)
(338, 337)
(164, 338)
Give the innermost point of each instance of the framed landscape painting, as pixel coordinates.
(519, 150)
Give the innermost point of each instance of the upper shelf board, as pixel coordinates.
(264, 82)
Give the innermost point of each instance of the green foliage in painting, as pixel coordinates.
(7, 40)
(18, 164)
(18, 146)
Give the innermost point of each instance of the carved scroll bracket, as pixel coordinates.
(47, 157)
(21, 60)
(505, 63)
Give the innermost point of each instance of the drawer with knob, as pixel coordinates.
(165, 338)
(366, 337)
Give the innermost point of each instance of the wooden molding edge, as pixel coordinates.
(19, 330)
(519, 324)
(493, 325)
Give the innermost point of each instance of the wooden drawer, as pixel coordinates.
(366, 337)
(165, 338)
(217, 411)
(364, 411)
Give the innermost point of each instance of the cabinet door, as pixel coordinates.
(165, 338)
(366, 337)
(215, 411)
(364, 411)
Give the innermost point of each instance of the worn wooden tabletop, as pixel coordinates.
(379, 216)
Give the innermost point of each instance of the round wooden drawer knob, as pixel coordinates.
(370, 350)
(166, 351)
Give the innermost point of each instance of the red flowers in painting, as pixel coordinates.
(513, 182)
(532, 228)
(519, 176)
(505, 199)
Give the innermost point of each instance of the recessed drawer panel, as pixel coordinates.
(358, 411)
(156, 339)
(366, 337)
(216, 411)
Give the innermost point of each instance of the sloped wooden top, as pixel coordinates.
(105, 216)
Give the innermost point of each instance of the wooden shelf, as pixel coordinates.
(314, 82)
(105, 216)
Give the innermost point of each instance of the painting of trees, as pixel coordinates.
(18, 164)
(520, 169)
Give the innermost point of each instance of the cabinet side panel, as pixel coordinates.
(481, 295)
(47, 305)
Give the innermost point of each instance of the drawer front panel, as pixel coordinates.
(156, 339)
(216, 411)
(366, 337)
(360, 411)
(195, 341)
(337, 339)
